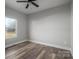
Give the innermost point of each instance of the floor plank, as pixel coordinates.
(30, 50)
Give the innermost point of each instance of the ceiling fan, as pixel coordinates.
(29, 1)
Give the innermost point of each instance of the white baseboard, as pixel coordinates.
(38, 43)
(15, 43)
(71, 51)
(57, 46)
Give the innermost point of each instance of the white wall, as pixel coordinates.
(21, 26)
(71, 27)
(51, 26)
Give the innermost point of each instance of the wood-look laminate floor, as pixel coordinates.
(30, 50)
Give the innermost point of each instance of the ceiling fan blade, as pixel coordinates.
(35, 4)
(21, 1)
(27, 6)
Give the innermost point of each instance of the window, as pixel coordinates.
(10, 28)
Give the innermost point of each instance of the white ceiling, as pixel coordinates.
(44, 4)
